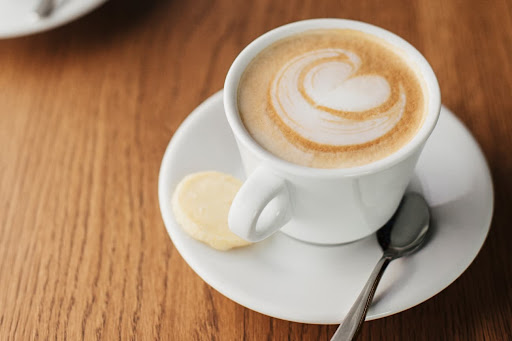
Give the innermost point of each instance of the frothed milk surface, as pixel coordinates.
(331, 99)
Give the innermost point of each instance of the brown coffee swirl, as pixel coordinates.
(330, 99)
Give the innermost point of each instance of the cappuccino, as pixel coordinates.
(331, 98)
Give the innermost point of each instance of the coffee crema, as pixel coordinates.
(331, 99)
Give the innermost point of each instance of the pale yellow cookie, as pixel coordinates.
(201, 205)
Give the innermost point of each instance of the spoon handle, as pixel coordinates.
(44, 8)
(352, 323)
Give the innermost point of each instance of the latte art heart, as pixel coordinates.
(318, 96)
(331, 98)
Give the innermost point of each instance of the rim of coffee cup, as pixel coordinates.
(414, 57)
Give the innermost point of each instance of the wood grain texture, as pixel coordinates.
(87, 110)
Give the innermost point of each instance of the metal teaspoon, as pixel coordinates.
(403, 234)
(44, 8)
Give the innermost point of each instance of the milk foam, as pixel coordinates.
(331, 99)
(307, 90)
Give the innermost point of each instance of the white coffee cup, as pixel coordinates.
(324, 206)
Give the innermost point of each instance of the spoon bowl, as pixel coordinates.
(405, 232)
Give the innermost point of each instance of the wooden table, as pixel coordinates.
(87, 110)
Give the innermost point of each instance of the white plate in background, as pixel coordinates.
(17, 17)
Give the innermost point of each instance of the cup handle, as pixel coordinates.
(261, 206)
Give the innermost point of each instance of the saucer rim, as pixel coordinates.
(251, 303)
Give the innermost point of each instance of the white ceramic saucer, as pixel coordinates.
(296, 281)
(17, 19)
